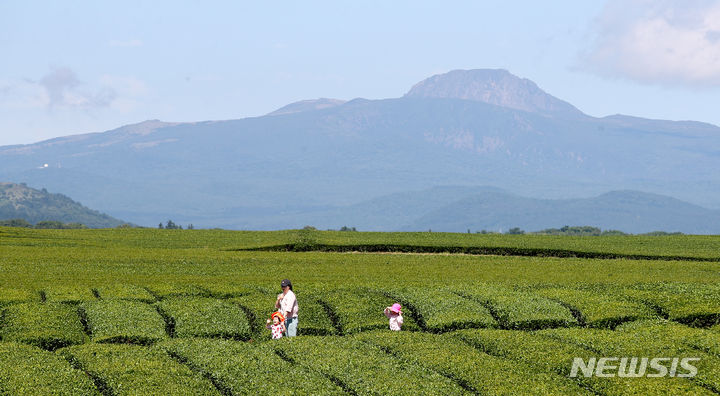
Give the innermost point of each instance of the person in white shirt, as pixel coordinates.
(288, 305)
(394, 314)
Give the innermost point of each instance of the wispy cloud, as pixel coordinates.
(657, 42)
(64, 89)
(61, 89)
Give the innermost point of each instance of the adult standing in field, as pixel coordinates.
(288, 305)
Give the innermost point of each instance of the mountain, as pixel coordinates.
(497, 87)
(18, 201)
(307, 105)
(268, 172)
(460, 208)
(628, 211)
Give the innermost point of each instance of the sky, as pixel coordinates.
(75, 67)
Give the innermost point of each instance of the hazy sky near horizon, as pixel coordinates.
(86, 66)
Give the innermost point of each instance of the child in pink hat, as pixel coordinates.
(394, 314)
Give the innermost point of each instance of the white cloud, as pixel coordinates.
(61, 89)
(658, 42)
(18, 95)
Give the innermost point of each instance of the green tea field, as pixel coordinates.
(182, 312)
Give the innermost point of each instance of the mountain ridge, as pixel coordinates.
(18, 201)
(347, 154)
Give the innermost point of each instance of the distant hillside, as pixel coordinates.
(463, 128)
(18, 201)
(459, 208)
(307, 105)
(628, 211)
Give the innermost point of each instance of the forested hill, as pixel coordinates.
(18, 201)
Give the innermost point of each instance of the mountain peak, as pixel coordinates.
(144, 127)
(494, 86)
(307, 105)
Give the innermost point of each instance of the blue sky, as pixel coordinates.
(87, 66)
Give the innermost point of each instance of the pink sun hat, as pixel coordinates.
(396, 308)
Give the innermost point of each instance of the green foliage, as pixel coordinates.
(439, 309)
(137, 370)
(43, 225)
(475, 370)
(661, 233)
(519, 309)
(15, 223)
(227, 290)
(360, 309)
(548, 355)
(50, 224)
(579, 231)
(26, 370)
(164, 290)
(692, 304)
(68, 293)
(247, 368)
(701, 339)
(648, 341)
(205, 317)
(123, 321)
(312, 315)
(127, 267)
(48, 326)
(48, 210)
(170, 225)
(313, 318)
(595, 307)
(361, 368)
(515, 231)
(13, 295)
(258, 307)
(555, 354)
(121, 291)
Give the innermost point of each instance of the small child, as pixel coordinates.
(394, 314)
(277, 328)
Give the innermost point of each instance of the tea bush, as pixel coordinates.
(248, 368)
(519, 309)
(361, 368)
(10, 295)
(556, 355)
(123, 291)
(476, 371)
(137, 370)
(27, 370)
(696, 305)
(597, 309)
(205, 317)
(123, 321)
(258, 307)
(439, 309)
(644, 343)
(165, 290)
(361, 308)
(68, 293)
(48, 326)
